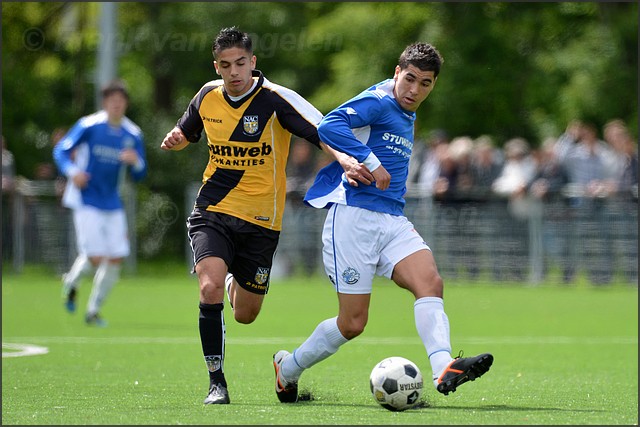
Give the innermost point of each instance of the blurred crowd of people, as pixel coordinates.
(460, 166)
(39, 214)
(580, 186)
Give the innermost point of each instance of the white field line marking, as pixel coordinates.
(517, 340)
(18, 350)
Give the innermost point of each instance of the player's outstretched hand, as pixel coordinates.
(81, 179)
(175, 140)
(129, 156)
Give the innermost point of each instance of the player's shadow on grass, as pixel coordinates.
(502, 408)
(425, 406)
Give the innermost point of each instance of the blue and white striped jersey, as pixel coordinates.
(373, 128)
(97, 146)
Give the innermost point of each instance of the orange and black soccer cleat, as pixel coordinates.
(461, 370)
(287, 391)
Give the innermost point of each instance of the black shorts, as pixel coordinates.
(246, 248)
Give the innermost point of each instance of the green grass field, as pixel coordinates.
(563, 355)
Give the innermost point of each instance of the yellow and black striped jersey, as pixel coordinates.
(248, 144)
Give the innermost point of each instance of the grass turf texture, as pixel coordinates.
(563, 355)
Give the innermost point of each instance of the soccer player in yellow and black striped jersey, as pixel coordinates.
(236, 220)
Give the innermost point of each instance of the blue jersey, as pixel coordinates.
(97, 146)
(371, 127)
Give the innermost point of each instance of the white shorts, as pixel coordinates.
(100, 232)
(359, 244)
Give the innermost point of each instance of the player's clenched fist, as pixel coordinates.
(175, 140)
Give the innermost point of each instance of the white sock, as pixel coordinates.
(106, 276)
(322, 343)
(228, 281)
(432, 324)
(80, 268)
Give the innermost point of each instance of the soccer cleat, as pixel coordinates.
(461, 370)
(218, 395)
(95, 319)
(70, 300)
(287, 391)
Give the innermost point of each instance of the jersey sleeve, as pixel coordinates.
(139, 170)
(335, 129)
(64, 148)
(191, 123)
(298, 116)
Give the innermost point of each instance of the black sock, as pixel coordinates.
(212, 336)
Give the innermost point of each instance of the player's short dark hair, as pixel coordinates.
(231, 37)
(421, 55)
(115, 86)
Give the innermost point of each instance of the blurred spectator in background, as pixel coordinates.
(8, 187)
(44, 171)
(486, 164)
(517, 171)
(51, 221)
(461, 149)
(625, 148)
(546, 189)
(569, 138)
(589, 165)
(8, 169)
(424, 165)
(456, 215)
(300, 170)
(298, 248)
(621, 207)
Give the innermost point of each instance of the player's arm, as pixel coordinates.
(174, 140)
(354, 171)
(335, 130)
(298, 116)
(139, 164)
(190, 126)
(63, 155)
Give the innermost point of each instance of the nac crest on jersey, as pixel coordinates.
(250, 124)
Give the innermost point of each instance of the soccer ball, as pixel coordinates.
(396, 383)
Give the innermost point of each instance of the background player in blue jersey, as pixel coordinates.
(95, 156)
(366, 233)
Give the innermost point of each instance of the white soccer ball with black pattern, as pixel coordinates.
(396, 383)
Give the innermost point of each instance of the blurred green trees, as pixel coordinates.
(511, 69)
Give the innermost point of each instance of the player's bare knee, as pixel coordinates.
(436, 284)
(431, 286)
(210, 292)
(352, 328)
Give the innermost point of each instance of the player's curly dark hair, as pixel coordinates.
(231, 37)
(422, 55)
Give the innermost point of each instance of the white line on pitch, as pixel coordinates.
(19, 350)
(513, 340)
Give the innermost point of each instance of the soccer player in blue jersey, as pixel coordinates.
(366, 233)
(95, 155)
